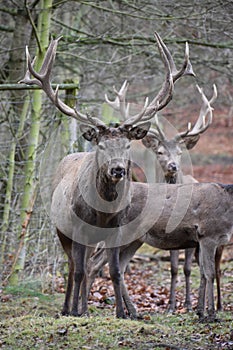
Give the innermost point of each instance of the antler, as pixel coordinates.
(119, 103)
(167, 90)
(201, 124)
(42, 79)
(165, 94)
(158, 132)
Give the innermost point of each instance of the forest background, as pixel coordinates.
(103, 43)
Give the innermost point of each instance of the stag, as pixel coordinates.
(205, 222)
(168, 160)
(91, 191)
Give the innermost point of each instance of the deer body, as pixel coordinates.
(207, 223)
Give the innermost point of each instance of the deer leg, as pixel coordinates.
(218, 257)
(187, 272)
(84, 286)
(69, 288)
(96, 262)
(207, 267)
(174, 257)
(201, 295)
(125, 256)
(78, 254)
(202, 286)
(115, 274)
(84, 297)
(67, 246)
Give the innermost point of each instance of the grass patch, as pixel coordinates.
(31, 319)
(104, 331)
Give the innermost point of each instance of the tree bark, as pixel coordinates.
(29, 183)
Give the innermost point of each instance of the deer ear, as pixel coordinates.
(190, 141)
(89, 133)
(139, 131)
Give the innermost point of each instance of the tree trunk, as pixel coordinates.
(29, 182)
(10, 179)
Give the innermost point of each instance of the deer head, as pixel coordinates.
(168, 151)
(113, 148)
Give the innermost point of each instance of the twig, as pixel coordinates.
(33, 26)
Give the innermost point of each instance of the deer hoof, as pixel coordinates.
(121, 315)
(209, 319)
(188, 307)
(74, 313)
(171, 310)
(65, 312)
(85, 314)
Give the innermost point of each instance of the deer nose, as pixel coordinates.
(172, 167)
(118, 172)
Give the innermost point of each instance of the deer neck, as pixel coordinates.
(171, 179)
(109, 189)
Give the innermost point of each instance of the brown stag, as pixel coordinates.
(168, 153)
(91, 191)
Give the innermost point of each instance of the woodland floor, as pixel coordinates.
(31, 320)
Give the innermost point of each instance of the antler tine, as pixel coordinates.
(158, 132)
(44, 72)
(186, 68)
(27, 80)
(42, 79)
(185, 133)
(206, 110)
(119, 103)
(72, 112)
(165, 92)
(138, 117)
(215, 94)
(159, 102)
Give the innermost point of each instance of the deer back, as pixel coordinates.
(179, 216)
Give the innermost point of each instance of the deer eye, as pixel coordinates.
(101, 146)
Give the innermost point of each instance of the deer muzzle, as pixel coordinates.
(172, 167)
(118, 172)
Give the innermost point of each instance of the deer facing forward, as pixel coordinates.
(91, 191)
